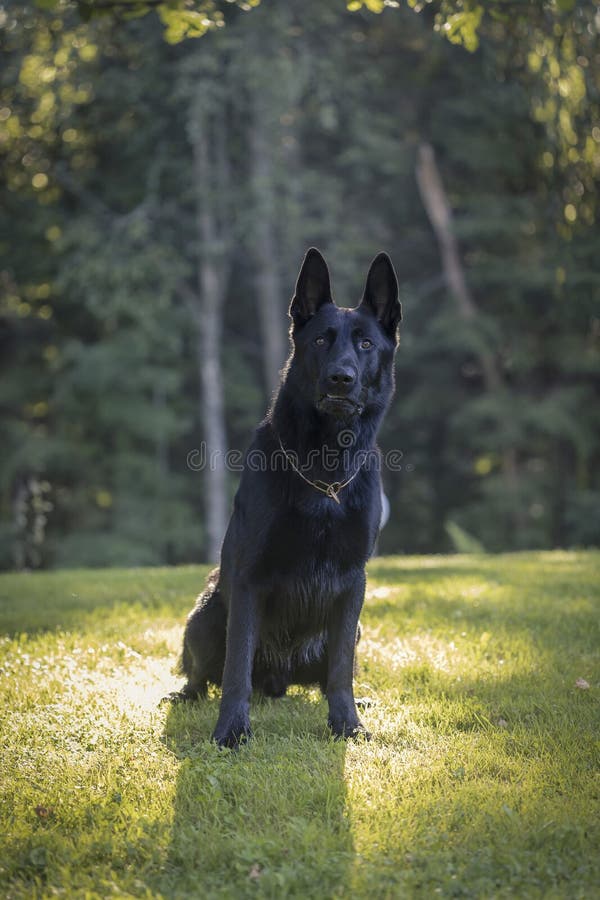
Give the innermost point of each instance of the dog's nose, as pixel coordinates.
(341, 378)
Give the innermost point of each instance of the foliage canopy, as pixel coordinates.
(98, 231)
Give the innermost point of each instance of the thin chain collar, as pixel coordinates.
(332, 489)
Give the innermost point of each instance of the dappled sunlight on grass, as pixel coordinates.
(126, 678)
(397, 654)
(480, 779)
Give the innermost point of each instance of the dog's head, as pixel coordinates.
(345, 356)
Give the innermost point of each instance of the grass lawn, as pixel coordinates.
(482, 778)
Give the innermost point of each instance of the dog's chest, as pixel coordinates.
(308, 563)
(318, 544)
(296, 607)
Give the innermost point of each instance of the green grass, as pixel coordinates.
(482, 778)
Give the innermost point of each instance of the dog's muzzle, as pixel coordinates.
(339, 407)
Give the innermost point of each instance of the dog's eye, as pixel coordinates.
(366, 344)
(320, 341)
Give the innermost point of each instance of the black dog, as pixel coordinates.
(283, 608)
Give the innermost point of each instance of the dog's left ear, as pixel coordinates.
(312, 288)
(381, 295)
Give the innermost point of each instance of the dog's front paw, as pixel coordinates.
(176, 697)
(232, 733)
(343, 731)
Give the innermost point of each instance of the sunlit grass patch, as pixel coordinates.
(482, 778)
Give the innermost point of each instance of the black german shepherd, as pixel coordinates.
(283, 607)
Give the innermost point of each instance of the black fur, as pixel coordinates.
(283, 607)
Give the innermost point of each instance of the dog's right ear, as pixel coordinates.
(312, 289)
(381, 295)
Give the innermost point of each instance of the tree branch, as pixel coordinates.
(439, 212)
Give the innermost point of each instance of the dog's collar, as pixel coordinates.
(330, 489)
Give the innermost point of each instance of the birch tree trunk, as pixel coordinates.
(271, 308)
(207, 132)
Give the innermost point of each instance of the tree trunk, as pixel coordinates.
(212, 405)
(271, 309)
(439, 212)
(273, 98)
(208, 138)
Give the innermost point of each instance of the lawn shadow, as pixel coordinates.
(267, 820)
(407, 573)
(76, 600)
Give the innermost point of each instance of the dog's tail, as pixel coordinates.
(203, 653)
(185, 661)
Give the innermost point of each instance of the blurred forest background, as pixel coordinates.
(158, 194)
